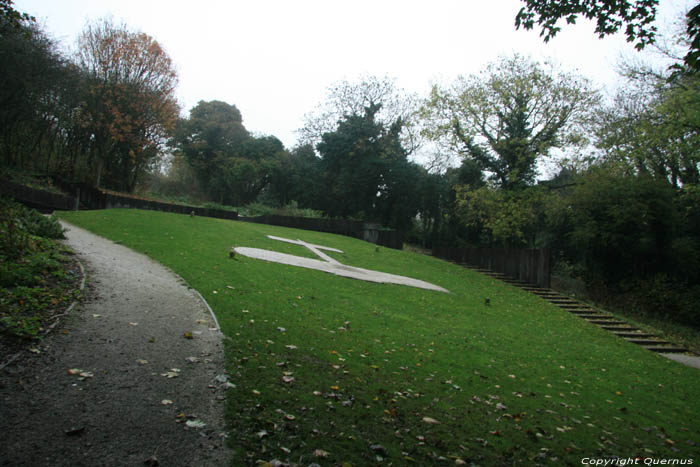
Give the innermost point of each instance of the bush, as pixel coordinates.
(17, 226)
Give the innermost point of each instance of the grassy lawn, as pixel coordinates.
(334, 370)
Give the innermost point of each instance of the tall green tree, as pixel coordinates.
(30, 88)
(352, 98)
(653, 124)
(211, 134)
(509, 117)
(365, 171)
(232, 166)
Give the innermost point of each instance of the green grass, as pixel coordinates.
(518, 381)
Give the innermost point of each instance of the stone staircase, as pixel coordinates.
(601, 319)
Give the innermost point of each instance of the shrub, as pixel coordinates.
(17, 226)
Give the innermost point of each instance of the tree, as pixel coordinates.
(32, 73)
(130, 106)
(232, 166)
(12, 17)
(630, 237)
(345, 98)
(509, 117)
(636, 16)
(653, 125)
(213, 131)
(365, 172)
(610, 15)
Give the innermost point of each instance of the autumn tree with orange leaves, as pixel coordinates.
(129, 107)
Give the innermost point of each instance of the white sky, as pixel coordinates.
(274, 59)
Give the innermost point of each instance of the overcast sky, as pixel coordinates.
(274, 59)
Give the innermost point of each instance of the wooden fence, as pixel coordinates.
(369, 232)
(528, 265)
(43, 201)
(87, 197)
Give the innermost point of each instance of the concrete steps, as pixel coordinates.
(610, 323)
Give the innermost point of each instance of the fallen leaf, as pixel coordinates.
(192, 359)
(134, 324)
(166, 402)
(430, 420)
(221, 378)
(195, 424)
(188, 335)
(281, 329)
(96, 316)
(320, 452)
(291, 347)
(141, 361)
(173, 373)
(288, 379)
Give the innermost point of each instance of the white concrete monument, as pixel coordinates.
(330, 265)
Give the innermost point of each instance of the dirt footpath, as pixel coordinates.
(134, 376)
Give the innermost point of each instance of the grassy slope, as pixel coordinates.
(519, 380)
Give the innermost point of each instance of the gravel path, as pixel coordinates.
(128, 340)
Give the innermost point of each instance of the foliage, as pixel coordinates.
(233, 166)
(19, 225)
(292, 209)
(213, 129)
(622, 224)
(365, 172)
(692, 58)
(129, 107)
(34, 288)
(653, 127)
(352, 98)
(637, 16)
(34, 75)
(33, 277)
(509, 219)
(373, 366)
(509, 117)
(8, 15)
